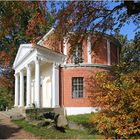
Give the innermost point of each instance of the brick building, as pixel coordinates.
(59, 79)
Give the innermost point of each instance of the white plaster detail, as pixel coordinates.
(46, 92)
(21, 89)
(28, 92)
(65, 49)
(41, 42)
(37, 83)
(79, 110)
(32, 92)
(23, 52)
(89, 49)
(55, 86)
(27, 55)
(16, 89)
(108, 53)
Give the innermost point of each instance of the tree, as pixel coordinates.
(119, 101)
(6, 93)
(82, 17)
(21, 22)
(117, 94)
(129, 55)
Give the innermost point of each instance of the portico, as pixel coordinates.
(37, 76)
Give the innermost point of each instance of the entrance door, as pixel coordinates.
(46, 93)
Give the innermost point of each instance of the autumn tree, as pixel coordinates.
(20, 22)
(117, 94)
(119, 101)
(82, 17)
(129, 55)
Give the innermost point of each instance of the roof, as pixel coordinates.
(26, 49)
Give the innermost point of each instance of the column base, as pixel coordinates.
(28, 107)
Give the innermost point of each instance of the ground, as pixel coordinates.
(23, 129)
(8, 130)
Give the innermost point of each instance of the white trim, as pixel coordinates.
(55, 85)
(65, 49)
(28, 60)
(65, 46)
(84, 65)
(89, 49)
(40, 42)
(21, 89)
(108, 53)
(28, 89)
(79, 110)
(48, 100)
(37, 83)
(16, 89)
(19, 51)
(50, 55)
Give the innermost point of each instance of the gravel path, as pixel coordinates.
(8, 130)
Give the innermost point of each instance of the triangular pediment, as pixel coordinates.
(23, 50)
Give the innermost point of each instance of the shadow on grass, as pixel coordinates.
(7, 132)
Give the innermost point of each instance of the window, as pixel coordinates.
(77, 87)
(77, 55)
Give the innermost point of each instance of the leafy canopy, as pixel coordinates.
(82, 17)
(21, 22)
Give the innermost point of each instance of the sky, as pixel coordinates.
(127, 29)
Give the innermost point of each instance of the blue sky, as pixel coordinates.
(127, 29)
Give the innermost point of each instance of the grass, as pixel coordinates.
(52, 133)
(82, 119)
(85, 120)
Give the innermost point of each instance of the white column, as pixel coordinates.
(108, 53)
(89, 49)
(37, 83)
(28, 92)
(16, 89)
(65, 48)
(55, 85)
(21, 89)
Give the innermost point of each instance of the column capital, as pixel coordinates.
(28, 66)
(21, 71)
(16, 74)
(37, 60)
(56, 65)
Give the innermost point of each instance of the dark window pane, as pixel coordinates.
(77, 55)
(77, 87)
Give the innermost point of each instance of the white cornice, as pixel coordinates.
(18, 54)
(40, 42)
(85, 65)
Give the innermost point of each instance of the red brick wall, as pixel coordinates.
(84, 53)
(66, 85)
(99, 53)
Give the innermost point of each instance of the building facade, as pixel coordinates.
(50, 79)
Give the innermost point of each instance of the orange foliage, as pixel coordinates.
(119, 101)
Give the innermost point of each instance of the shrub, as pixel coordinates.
(6, 99)
(119, 100)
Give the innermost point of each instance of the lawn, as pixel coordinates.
(52, 133)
